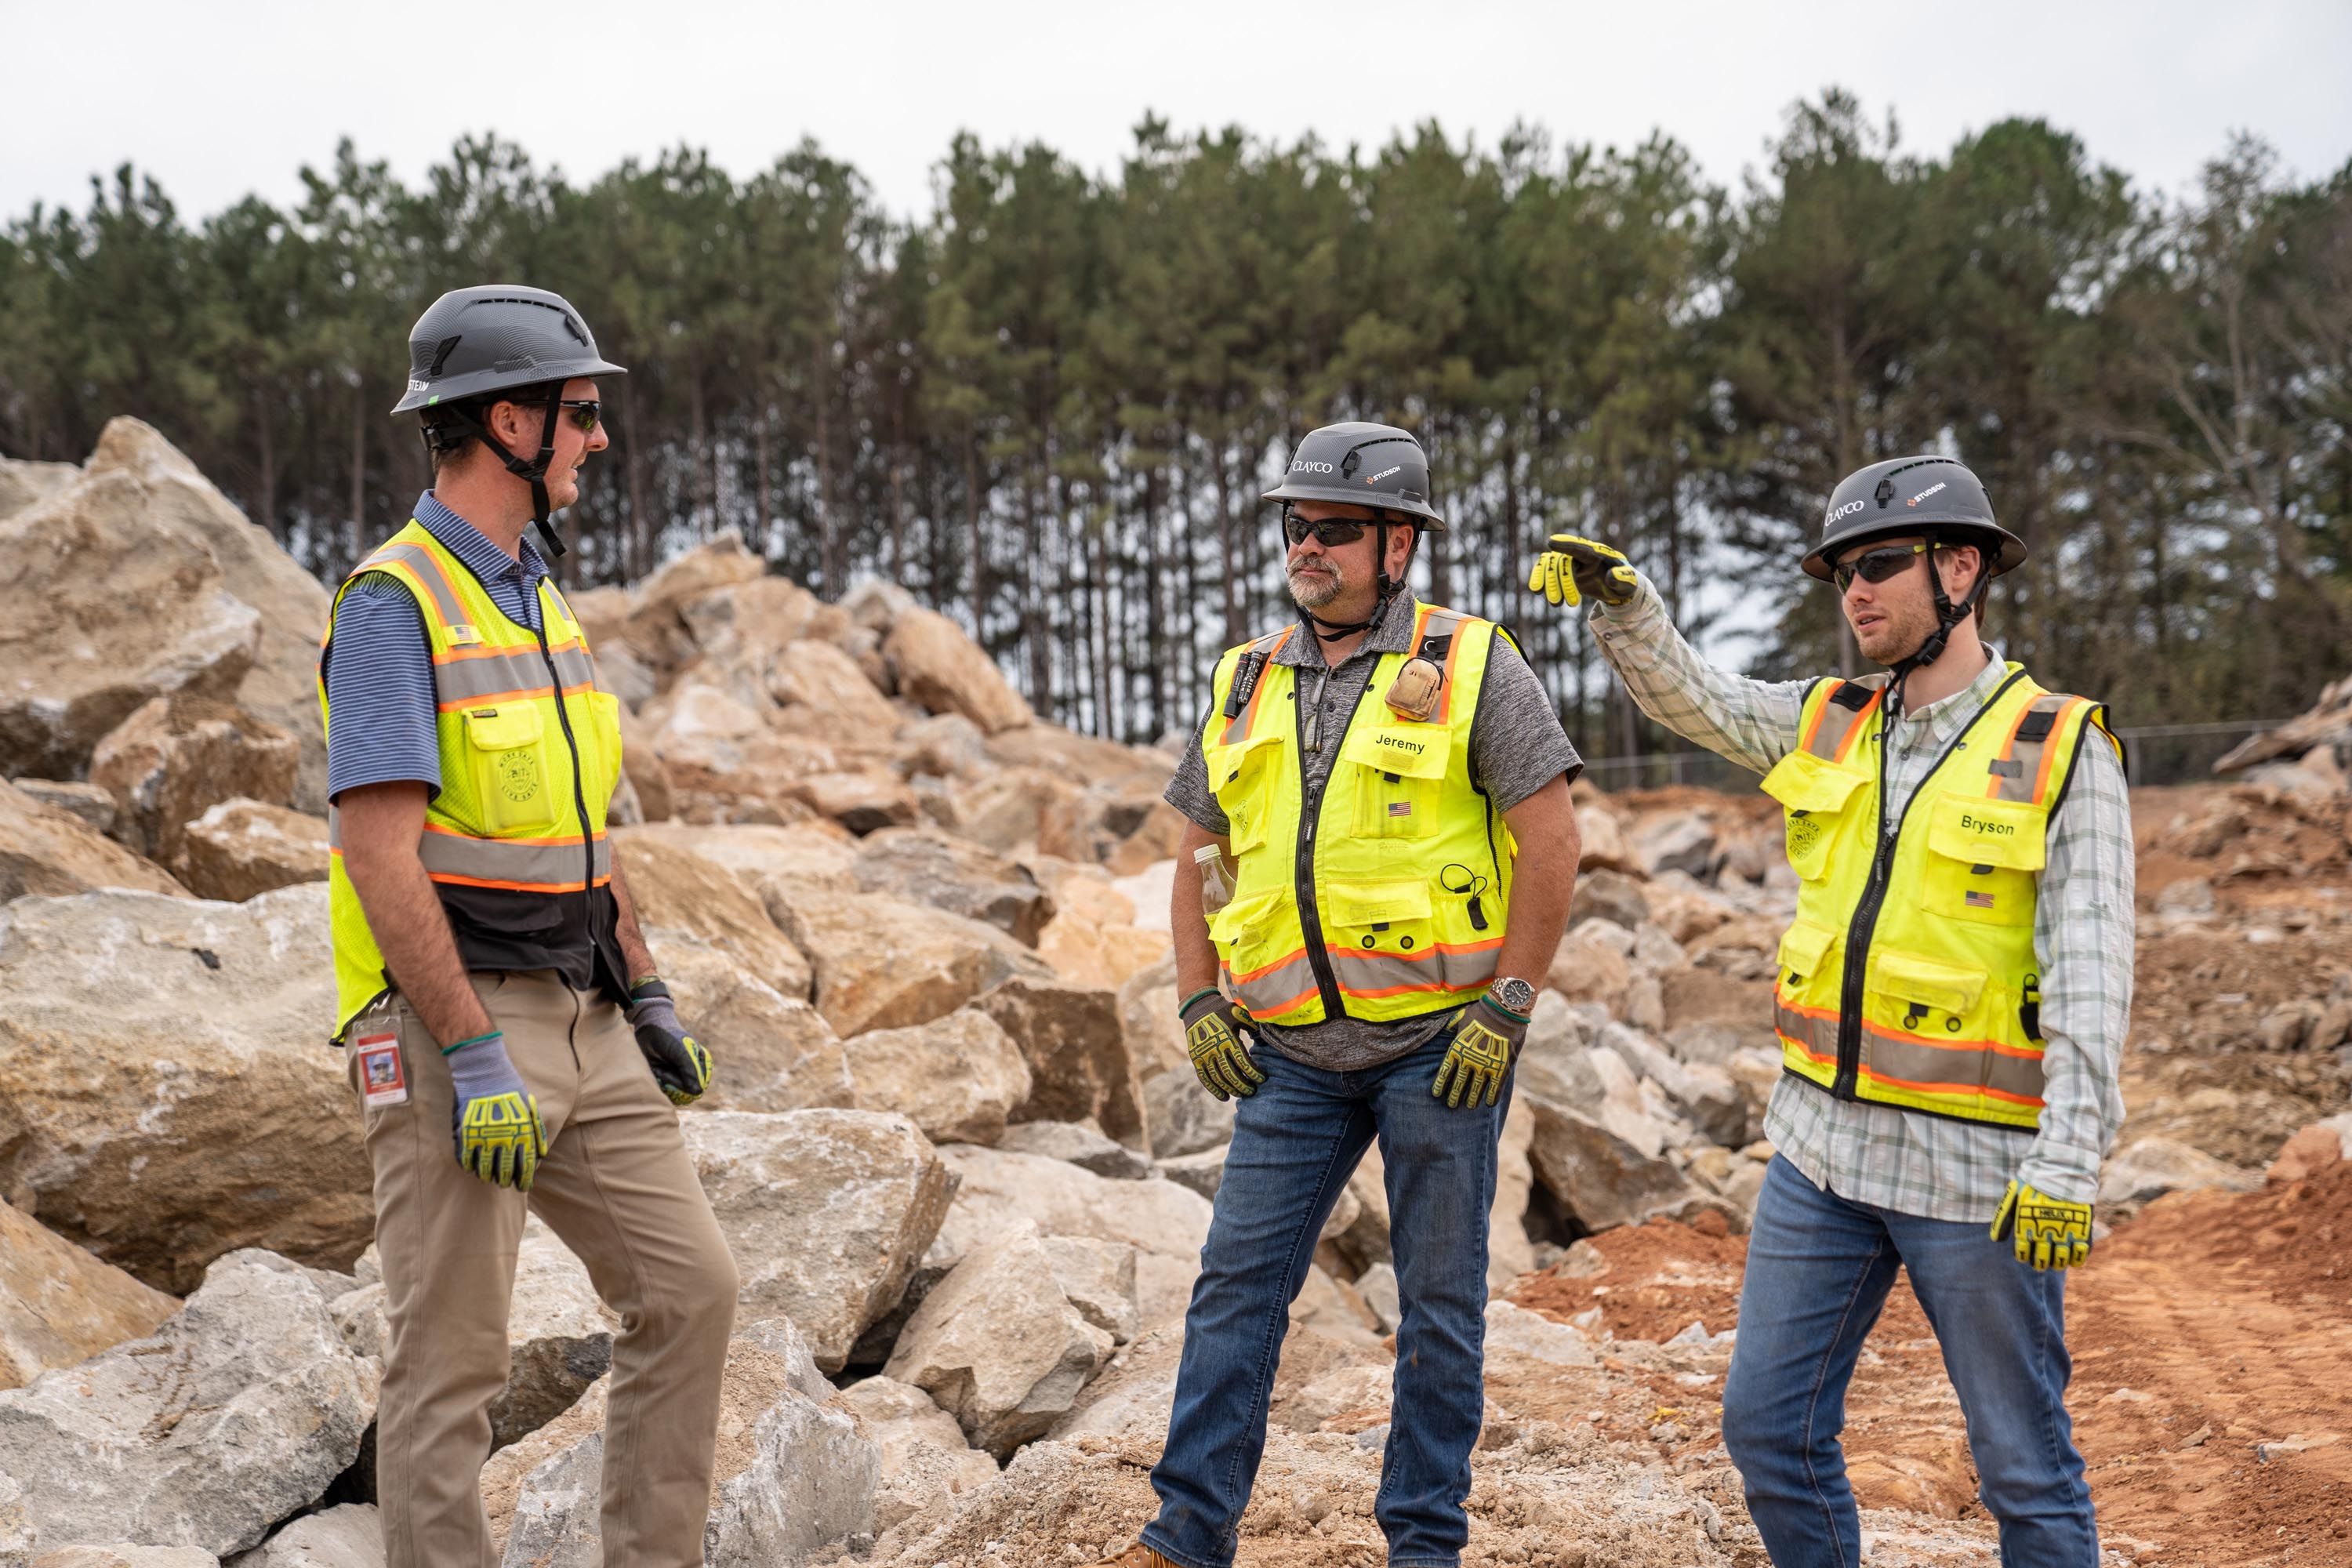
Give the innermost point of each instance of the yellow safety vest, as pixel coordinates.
(1909, 976)
(1387, 895)
(531, 751)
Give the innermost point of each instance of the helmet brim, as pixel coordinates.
(2006, 559)
(1424, 516)
(481, 384)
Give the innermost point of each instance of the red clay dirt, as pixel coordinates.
(2213, 1392)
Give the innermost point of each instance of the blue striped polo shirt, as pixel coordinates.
(381, 706)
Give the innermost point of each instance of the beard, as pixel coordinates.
(1906, 628)
(1312, 589)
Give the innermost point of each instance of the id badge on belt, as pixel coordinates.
(384, 1071)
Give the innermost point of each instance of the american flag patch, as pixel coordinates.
(1979, 900)
(1399, 808)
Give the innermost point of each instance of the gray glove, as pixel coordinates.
(680, 1065)
(495, 1118)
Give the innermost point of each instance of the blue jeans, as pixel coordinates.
(1818, 1269)
(1296, 1142)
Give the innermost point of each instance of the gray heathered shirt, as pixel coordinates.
(1517, 747)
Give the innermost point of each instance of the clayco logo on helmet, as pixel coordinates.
(1308, 466)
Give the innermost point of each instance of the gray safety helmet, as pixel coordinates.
(495, 341)
(1362, 464)
(496, 337)
(1924, 495)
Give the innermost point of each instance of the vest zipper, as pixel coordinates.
(1874, 895)
(578, 797)
(1310, 812)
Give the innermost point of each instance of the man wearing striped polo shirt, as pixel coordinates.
(502, 1022)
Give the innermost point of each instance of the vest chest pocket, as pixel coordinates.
(1243, 777)
(1982, 857)
(1814, 796)
(1397, 774)
(1247, 932)
(507, 753)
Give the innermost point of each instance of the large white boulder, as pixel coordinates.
(794, 1475)
(881, 963)
(769, 1050)
(236, 1413)
(958, 1078)
(926, 1466)
(1165, 1224)
(59, 1306)
(165, 1080)
(50, 851)
(827, 1213)
(999, 1345)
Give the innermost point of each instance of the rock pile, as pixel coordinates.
(955, 1143)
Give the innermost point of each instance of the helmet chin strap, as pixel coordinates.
(1947, 616)
(532, 471)
(1386, 588)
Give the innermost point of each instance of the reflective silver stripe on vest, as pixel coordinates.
(1372, 973)
(1937, 1070)
(508, 861)
(505, 672)
(493, 860)
(428, 572)
(1838, 720)
(2017, 773)
(1279, 989)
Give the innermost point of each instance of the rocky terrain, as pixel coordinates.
(956, 1145)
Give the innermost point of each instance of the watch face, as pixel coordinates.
(1519, 996)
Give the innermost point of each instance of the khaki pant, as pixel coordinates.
(617, 1186)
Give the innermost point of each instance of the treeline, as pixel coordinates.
(1048, 409)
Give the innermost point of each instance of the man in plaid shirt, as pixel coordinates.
(1967, 1153)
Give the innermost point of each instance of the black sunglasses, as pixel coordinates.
(1330, 534)
(1878, 565)
(585, 413)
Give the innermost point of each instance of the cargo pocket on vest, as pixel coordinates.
(1382, 938)
(1927, 997)
(1812, 796)
(506, 748)
(1244, 778)
(1981, 859)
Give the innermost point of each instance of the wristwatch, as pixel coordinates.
(1516, 995)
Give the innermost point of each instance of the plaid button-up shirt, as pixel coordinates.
(2084, 928)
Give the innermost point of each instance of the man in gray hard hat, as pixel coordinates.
(1379, 797)
(1950, 1002)
(504, 1029)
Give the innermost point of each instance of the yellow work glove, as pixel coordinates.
(1213, 1027)
(494, 1116)
(1576, 566)
(1486, 1033)
(2050, 1233)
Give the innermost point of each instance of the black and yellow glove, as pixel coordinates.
(680, 1063)
(1485, 1034)
(495, 1117)
(2050, 1233)
(1214, 1028)
(1576, 567)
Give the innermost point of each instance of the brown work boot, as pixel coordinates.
(1136, 1556)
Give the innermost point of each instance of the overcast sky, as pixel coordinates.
(219, 100)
